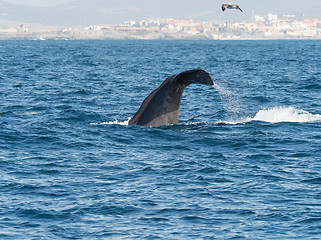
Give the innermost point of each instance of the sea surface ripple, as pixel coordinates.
(243, 163)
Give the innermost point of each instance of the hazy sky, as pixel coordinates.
(40, 3)
(116, 11)
(288, 4)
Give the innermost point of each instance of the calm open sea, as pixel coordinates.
(243, 163)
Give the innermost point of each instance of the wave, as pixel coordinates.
(280, 114)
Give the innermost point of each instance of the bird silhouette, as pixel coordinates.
(230, 6)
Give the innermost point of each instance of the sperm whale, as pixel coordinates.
(162, 106)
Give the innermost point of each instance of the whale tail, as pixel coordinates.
(194, 76)
(161, 107)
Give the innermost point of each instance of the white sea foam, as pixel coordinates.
(116, 122)
(271, 115)
(286, 114)
(279, 114)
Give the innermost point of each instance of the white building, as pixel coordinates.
(271, 17)
(258, 18)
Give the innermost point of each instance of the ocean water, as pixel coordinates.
(243, 163)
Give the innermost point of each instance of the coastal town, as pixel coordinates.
(267, 27)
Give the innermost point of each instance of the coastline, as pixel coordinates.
(137, 35)
(271, 27)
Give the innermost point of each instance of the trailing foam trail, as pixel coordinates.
(116, 122)
(271, 115)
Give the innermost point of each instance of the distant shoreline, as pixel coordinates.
(157, 39)
(270, 27)
(138, 36)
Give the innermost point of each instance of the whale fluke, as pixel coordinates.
(161, 107)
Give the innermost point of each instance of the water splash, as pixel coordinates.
(232, 105)
(285, 114)
(224, 93)
(271, 115)
(279, 114)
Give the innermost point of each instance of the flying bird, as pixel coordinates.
(230, 6)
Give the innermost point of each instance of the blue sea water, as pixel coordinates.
(243, 163)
